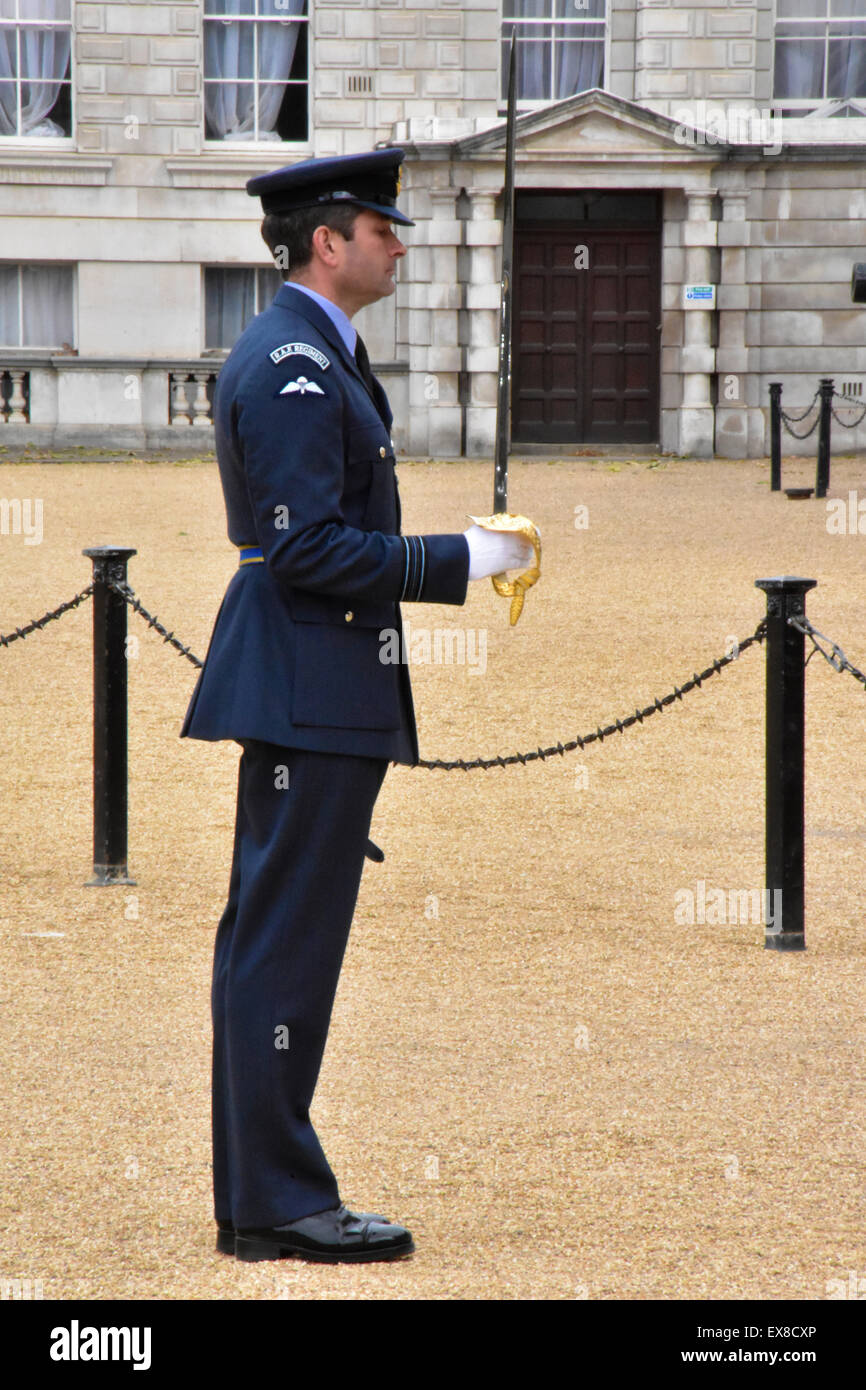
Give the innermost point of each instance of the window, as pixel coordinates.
(35, 86)
(820, 53)
(255, 69)
(233, 295)
(560, 47)
(36, 306)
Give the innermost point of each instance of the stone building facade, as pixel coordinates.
(690, 201)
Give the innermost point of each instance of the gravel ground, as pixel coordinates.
(564, 1090)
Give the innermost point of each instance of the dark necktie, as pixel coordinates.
(363, 361)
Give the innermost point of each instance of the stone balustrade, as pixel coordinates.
(62, 400)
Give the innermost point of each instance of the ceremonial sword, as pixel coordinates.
(502, 519)
(503, 397)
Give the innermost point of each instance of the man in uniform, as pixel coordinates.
(294, 675)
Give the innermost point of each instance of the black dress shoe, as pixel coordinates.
(326, 1237)
(225, 1241)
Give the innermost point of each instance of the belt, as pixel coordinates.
(251, 555)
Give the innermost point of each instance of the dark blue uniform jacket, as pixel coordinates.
(307, 469)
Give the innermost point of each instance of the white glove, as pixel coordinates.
(494, 552)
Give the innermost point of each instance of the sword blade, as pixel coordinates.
(503, 395)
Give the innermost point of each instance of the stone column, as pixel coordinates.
(739, 420)
(483, 237)
(434, 350)
(697, 355)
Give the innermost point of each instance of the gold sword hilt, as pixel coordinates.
(515, 589)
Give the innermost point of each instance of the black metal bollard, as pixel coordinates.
(785, 761)
(822, 476)
(775, 436)
(109, 717)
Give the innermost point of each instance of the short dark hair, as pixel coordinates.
(289, 235)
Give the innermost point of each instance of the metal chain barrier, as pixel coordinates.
(795, 419)
(559, 749)
(48, 618)
(835, 656)
(788, 420)
(849, 424)
(448, 765)
(128, 595)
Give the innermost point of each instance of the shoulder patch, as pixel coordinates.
(300, 350)
(303, 386)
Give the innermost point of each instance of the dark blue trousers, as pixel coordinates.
(296, 870)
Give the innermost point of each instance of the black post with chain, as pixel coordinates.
(822, 473)
(785, 761)
(775, 436)
(109, 716)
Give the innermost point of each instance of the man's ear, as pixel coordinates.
(324, 244)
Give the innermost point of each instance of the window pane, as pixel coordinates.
(10, 334)
(292, 119)
(276, 50)
(578, 66)
(527, 9)
(47, 299)
(840, 9)
(229, 7)
(229, 110)
(37, 100)
(801, 9)
(8, 117)
(229, 304)
(799, 68)
(846, 68)
(580, 9)
(533, 61)
(270, 99)
(282, 9)
(58, 10)
(8, 53)
(228, 49)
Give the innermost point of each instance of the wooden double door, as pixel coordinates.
(586, 334)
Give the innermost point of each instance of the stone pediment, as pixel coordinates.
(595, 124)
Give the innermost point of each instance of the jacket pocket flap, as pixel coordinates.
(307, 607)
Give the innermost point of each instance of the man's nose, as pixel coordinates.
(398, 249)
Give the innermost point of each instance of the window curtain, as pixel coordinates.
(230, 303)
(10, 328)
(45, 317)
(46, 294)
(233, 294)
(229, 54)
(44, 60)
(554, 60)
(578, 66)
